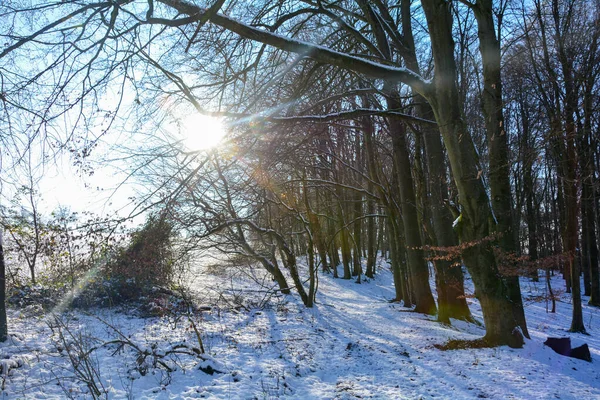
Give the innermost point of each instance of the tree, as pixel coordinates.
(499, 165)
(25, 229)
(560, 59)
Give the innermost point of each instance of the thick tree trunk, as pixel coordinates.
(327, 240)
(312, 267)
(499, 163)
(569, 167)
(474, 229)
(392, 222)
(449, 279)
(589, 232)
(420, 172)
(341, 212)
(372, 171)
(571, 244)
(587, 214)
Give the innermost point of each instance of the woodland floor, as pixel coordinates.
(353, 344)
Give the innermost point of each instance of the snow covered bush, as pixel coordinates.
(140, 267)
(147, 261)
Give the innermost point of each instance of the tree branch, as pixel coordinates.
(58, 22)
(319, 53)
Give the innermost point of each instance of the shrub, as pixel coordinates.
(147, 261)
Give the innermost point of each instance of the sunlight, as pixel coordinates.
(202, 132)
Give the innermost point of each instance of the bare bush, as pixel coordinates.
(148, 259)
(79, 348)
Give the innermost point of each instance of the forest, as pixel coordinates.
(306, 199)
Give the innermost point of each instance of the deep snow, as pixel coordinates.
(353, 344)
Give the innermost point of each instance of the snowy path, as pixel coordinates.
(355, 344)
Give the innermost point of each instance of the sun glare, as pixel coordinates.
(202, 132)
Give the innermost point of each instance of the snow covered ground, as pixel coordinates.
(353, 344)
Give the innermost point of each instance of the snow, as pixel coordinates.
(456, 221)
(353, 344)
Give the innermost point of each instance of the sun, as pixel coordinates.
(202, 132)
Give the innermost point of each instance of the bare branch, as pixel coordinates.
(319, 53)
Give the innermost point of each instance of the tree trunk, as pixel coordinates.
(587, 215)
(356, 253)
(398, 262)
(589, 222)
(474, 229)
(529, 187)
(449, 279)
(499, 163)
(588, 191)
(279, 277)
(371, 236)
(357, 214)
(312, 268)
(3, 320)
(315, 226)
(289, 260)
(345, 242)
(334, 255)
(569, 174)
(417, 266)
